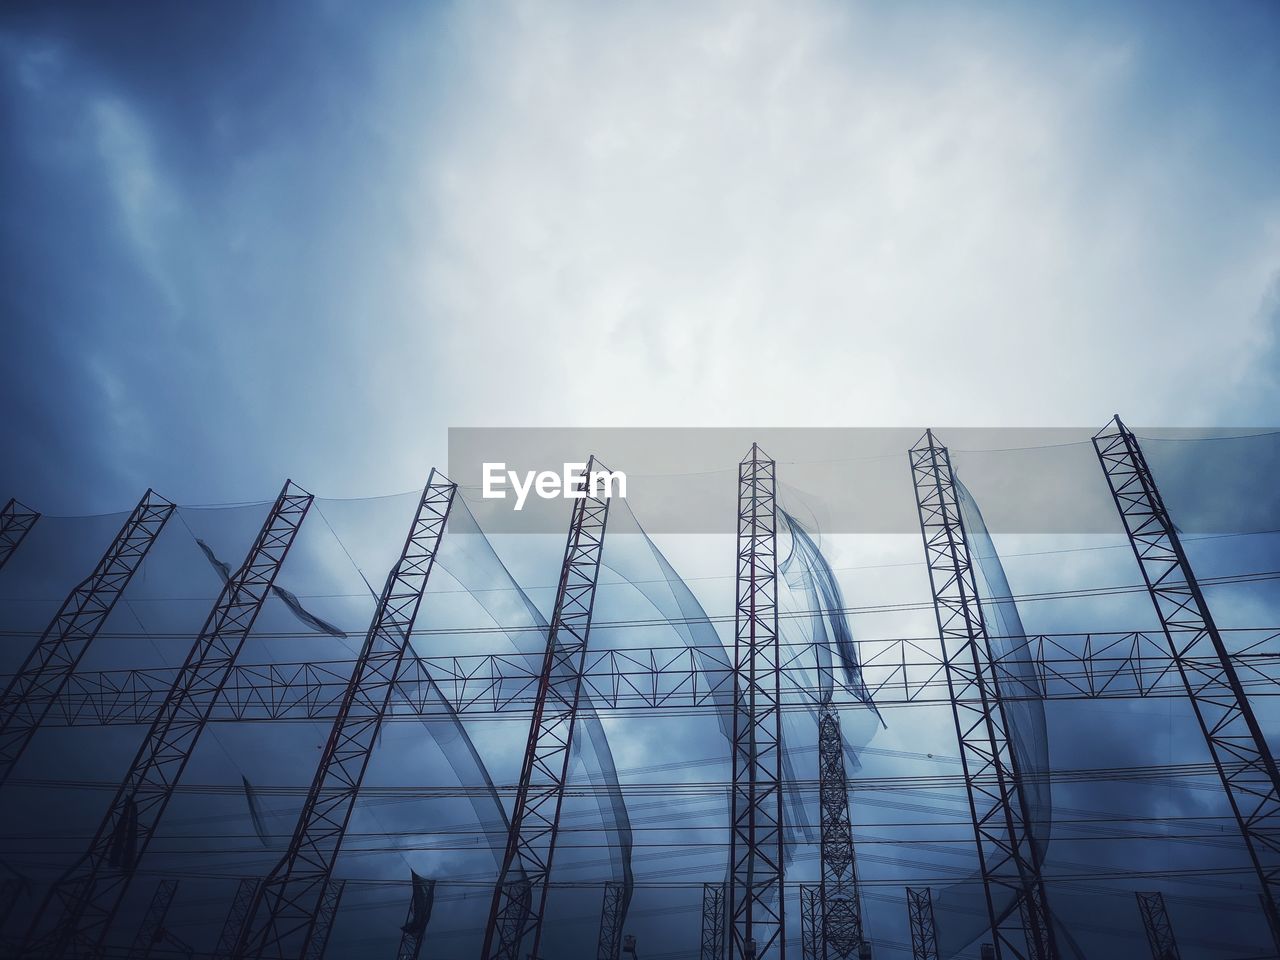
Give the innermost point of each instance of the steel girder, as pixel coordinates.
(713, 922)
(34, 688)
(287, 905)
(924, 933)
(1155, 920)
(82, 905)
(520, 895)
(1236, 743)
(756, 895)
(1007, 855)
(16, 522)
(842, 929)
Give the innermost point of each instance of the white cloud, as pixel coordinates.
(800, 213)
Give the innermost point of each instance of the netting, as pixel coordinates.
(1122, 794)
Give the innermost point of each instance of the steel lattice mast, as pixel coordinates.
(81, 906)
(1006, 852)
(42, 676)
(16, 522)
(810, 921)
(842, 934)
(520, 895)
(326, 911)
(713, 922)
(924, 934)
(756, 896)
(414, 932)
(1155, 920)
(151, 930)
(286, 905)
(609, 943)
(1240, 751)
(236, 915)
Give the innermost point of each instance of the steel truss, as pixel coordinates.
(520, 895)
(1084, 666)
(713, 922)
(32, 691)
(413, 933)
(924, 934)
(810, 921)
(1240, 751)
(16, 522)
(612, 914)
(841, 903)
(756, 896)
(326, 910)
(240, 904)
(286, 905)
(82, 905)
(152, 930)
(1155, 920)
(1007, 855)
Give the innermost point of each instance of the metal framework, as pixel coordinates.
(1240, 752)
(33, 689)
(414, 931)
(1017, 904)
(16, 522)
(713, 922)
(82, 905)
(756, 896)
(152, 930)
(231, 927)
(841, 904)
(286, 906)
(612, 914)
(810, 921)
(1076, 666)
(1155, 920)
(520, 895)
(11, 889)
(924, 934)
(326, 911)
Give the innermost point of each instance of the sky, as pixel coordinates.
(246, 242)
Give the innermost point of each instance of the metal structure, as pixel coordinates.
(1074, 666)
(520, 895)
(1155, 920)
(713, 922)
(756, 895)
(810, 921)
(231, 927)
(841, 904)
(152, 931)
(11, 890)
(1240, 752)
(326, 911)
(1017, 904)
(16, 522)
(422, 897)
(33, 689)
(82, 905)
(286, 906)
(924, 933)
(612, 913)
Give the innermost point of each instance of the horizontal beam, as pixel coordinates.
(897, 672)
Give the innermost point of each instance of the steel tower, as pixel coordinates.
(42, 676)
(289, 902)
(520, 895)
(756, 896)
(1155, 920)
(1001, 821)
(1236, 743)
(841, 904)
(82, 905)
(924, 934)
(16, 522)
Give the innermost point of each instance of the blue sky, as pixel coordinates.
(250, 242)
